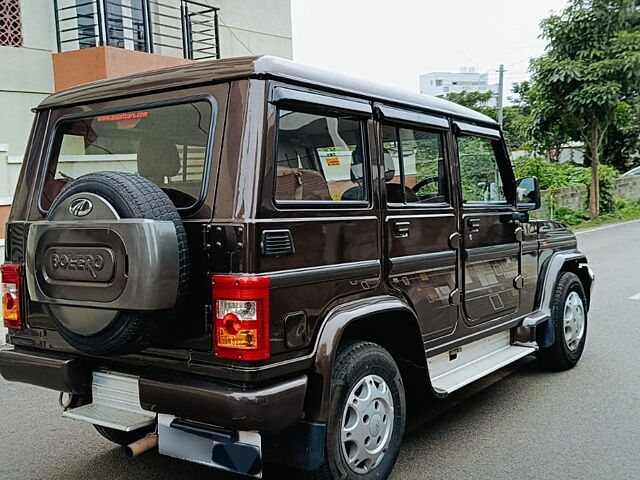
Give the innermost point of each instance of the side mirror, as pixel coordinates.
(528, 194)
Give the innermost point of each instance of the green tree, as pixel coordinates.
(590, 71)
(622, 143)
(514, 123)
(551, 142)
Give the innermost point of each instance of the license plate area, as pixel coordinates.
(238, 452)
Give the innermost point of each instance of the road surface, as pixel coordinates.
(580, 424)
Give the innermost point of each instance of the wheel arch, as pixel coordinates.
(385, 320)
(559, 263)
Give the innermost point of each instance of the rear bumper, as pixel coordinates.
(268, 410)
(63, 373)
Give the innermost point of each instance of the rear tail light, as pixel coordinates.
(10, 290)
(241, 317)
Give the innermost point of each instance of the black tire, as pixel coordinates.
(132, 196)
(559, 356)
(123, 438)
(355, 361)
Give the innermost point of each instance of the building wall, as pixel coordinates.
(443, 83)
(247, 27)
(26, 80)
(254, 27)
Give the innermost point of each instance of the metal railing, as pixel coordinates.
(185, 28)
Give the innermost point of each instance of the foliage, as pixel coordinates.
(553, 176)
(550, 175)
(589, 73)
(478, 169)
(622, 144)
(476, 100)
(514, 120)
(623, 211)
(569, 216)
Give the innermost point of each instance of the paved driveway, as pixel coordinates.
(580, 424)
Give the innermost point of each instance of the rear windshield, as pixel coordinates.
(167, 145)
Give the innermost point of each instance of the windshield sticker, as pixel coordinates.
(124, 120)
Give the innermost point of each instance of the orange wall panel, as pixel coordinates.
(4, 216)
(97, 63)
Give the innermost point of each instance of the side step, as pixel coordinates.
(456, 368)
(116, 404)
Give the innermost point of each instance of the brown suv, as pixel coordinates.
(250, 259)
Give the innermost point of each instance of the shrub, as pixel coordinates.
(557, 175)
(570, 216)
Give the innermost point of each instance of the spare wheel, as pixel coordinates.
(109, 263)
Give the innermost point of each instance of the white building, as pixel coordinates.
(48, 45)
(443, 83)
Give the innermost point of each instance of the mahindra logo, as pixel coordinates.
(81, 207)
(89, 263)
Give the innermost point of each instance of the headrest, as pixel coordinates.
(389, 167)
(158, 158)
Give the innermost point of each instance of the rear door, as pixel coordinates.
(491, 250)
(419, 215)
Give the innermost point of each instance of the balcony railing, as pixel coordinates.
(178, 28)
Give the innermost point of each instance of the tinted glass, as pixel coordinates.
(392, 169)
(319, 158)
(167, 145)
(415, 171)
(424, 167)
(481, 181)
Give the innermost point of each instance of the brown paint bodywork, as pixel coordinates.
(348, 265)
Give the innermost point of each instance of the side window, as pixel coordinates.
(415, 170)
(319, 158)
(481, 181)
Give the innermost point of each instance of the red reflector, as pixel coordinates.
(232, 323)
(241, 317)
(10, 292)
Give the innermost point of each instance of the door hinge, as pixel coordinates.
(208, 318)
(518, 282)
(223, 238)
(454, 240)
(519, 234)
(454, 297)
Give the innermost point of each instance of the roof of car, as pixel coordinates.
(265, 66)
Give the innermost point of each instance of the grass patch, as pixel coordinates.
(623, 211)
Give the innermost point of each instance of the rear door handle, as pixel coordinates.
(473, 224)
(401, 229)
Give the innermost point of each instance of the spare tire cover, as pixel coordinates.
(111, 196)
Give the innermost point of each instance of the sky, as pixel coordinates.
(394, 41)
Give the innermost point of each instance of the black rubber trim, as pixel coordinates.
(283, 96)
(462, 128)
(491, 252)
(410, 117)
(63, 373)
(209, 432)
(424, 261)
(325, 273)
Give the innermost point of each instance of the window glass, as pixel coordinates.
(424, 167)
(392, 168)
(167, 145)
(481, 181)
(319, 158)
(415, 171)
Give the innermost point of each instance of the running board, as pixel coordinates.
(116, 404)
(456, 368)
